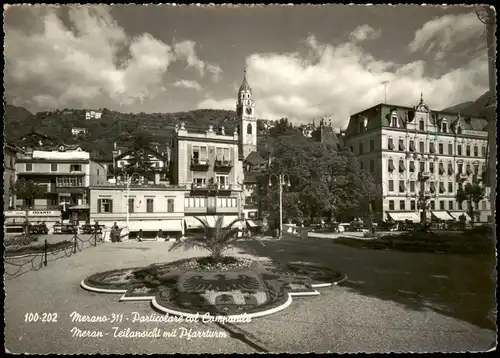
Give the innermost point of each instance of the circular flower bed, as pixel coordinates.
(232, 286)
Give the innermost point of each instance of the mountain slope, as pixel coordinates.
(473, 108)
(112, 126)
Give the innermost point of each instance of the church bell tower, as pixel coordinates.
(246, 121)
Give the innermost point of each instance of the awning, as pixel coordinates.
(442, 215)
(192, 223)
(80, 207)
(456, 215)
(150, 225)
(171, 225)
(404, 216)
(64, 194)
(252, 223)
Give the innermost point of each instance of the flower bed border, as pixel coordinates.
(156, 301)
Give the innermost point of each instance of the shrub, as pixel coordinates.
(20, 240)
(37, 247)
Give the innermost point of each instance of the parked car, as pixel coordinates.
(39, 229)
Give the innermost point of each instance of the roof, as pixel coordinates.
(37, 134)
(13, 147)
(244, 85)
(146, 150)
(254, 158)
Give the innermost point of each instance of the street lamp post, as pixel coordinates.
(128, 180)
(283, 179)
(423, 200)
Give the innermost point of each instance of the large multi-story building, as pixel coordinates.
(207, 164)
(408, 150)
(64, 176)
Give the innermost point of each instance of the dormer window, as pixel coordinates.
(459, 130)
(394, 121)
(361, 126)
(444, 127)
(421, 125)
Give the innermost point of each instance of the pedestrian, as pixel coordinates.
(115, 232)
(159, 235)
(139, 235)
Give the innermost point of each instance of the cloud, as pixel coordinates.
(338, 81)
(188, 84)
(442, 35)
(186, 50)
(364, 32)
(210, 103)
(61, 67)
(88, 61)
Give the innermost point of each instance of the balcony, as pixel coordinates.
(462, 176)
(216, 187)
(223, 165)
(199, 165)
(424, 175)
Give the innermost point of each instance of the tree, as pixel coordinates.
(472, 193)
(28, 191)
(139, 147)
(217, 238)
(324, 182)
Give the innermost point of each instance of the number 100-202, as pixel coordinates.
(44, 317)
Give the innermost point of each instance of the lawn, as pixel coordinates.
(473, 241)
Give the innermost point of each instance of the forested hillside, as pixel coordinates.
(111, 127)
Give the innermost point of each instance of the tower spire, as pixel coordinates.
(421, 97)
(244, 85)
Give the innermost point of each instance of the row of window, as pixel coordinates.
(470, 151)
(106, 205)
(204, 202)
(432, 167)
(54, 167)
(475, 169)
(431, 186)
(200, 153)
(155, 164)
(432, 205)
(150, 205)
(221, 179)
(421, 125)
(74, 181)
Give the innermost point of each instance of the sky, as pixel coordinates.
(303, 62)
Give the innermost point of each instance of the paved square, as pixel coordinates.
(339, 320)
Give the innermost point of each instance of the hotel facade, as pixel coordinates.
(409, 150)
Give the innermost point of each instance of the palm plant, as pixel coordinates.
(217, 238)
